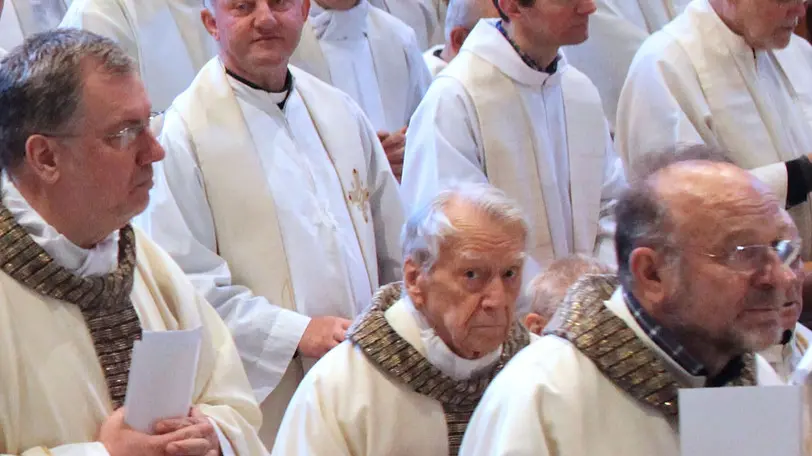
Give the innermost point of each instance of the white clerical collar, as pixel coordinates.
(338, 25)
(441, 357)
(264, 100)
(99, 260)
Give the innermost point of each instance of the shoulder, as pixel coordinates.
(390, 26)
(342, 369)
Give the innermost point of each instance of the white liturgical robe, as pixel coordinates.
(616, 31)
(294, 213)
(542, 138)
(552, 400)
(23, 18)
(419, 15)
(53, 390)
(371, 56)
(381, 416)
(695, 81)
(785, 358)
(433, 60)
(165, 37)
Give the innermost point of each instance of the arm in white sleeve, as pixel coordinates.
(443, 144)
(266, 335)
(105, 18)
(419, 77)
(614, 182)
(71, 449)
(384, 199)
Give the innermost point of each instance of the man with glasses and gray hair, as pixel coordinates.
(78, 284)
(418, 361)
(707, 258)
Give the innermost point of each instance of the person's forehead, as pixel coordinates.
(111, 94)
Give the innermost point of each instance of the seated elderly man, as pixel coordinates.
(416, 364)
(78, 284)
(707, 258)
(548, 289)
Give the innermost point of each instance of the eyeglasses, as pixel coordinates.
(122, 139)
(751, 258)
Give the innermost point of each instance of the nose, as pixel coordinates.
(263, 15)
(151, 152)
(495, 295)
(776, 274)
(585, 7)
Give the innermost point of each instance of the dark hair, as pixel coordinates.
(642, 221)
(41, 85)
(525, 3)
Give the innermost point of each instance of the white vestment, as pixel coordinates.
(348, 406)
(23, 18)
(541, 138)
(552, 400)
(616, 31)
(370, 55)
(165, 37)
(53, 393)
(420, 15)
(433, 60)
(695, 81)
(785, 358)
(291, 214)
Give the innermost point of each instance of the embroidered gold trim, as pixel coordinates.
(392, 354)
(104, 300)
(616, 350)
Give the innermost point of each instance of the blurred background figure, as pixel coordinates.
(23, 18)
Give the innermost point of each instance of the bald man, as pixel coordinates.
(460, 19)
(707, 258)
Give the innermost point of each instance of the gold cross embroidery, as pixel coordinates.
(359, 195)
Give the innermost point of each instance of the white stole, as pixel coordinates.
(391, 69)
(510, 155)
(743, 119)
(159, 40)
(226, 151)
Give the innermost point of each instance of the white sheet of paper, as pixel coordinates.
(741, 421)
(162, 377)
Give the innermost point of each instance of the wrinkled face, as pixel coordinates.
(768, 24)
(109, 183)
(792, 309)
(556, 22)
(735, 310)
(469, 295)
(257, 34)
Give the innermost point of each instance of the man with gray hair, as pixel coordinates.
(460, 19)
(707, 258)
(78, 284)
(548, 289)
(418, 361)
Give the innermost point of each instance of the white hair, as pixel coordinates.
(428, 227)
(548, 289)
(462, 13)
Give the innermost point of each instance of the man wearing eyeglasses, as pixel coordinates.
(79, 286)
(280, 204)
(707, 259)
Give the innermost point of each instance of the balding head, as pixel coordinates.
(711, 254)
(460, 19)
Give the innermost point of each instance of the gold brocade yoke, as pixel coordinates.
(103, 300)
(386, 349)
(617, 352)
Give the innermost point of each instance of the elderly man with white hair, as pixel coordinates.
(418, 361)
(460, 19)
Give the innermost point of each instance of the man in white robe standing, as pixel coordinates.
(707, 258)
(24, 18)
(419, 15)
(371, 56)
(418, 361)
(509, 110)
(729, 74)
(616, 31)
(462, 16)
(78, 284)
(165, 37)
(280, 203)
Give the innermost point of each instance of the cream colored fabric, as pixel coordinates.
(53, 395)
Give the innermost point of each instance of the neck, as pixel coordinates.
(342, 5)
(270, 79)
(707, 352)
(82, 231)
(541, 54)
(725, 12)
